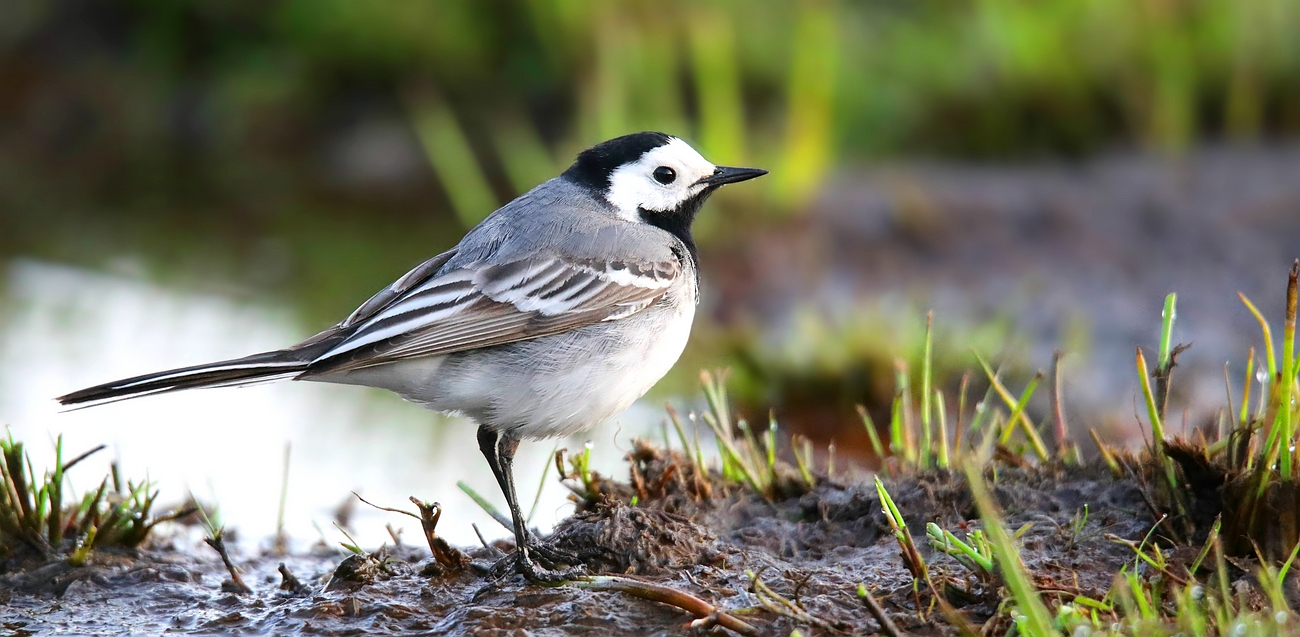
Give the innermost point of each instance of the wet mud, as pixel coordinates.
(810, 546)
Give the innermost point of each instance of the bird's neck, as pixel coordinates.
(677, 223)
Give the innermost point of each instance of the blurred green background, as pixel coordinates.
(179, 123)
(306, 152)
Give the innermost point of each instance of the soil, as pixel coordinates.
(812, 546)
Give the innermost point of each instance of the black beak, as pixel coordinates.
(728, 175)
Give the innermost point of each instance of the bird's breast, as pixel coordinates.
(596, 377)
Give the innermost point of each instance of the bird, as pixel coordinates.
(551, 316)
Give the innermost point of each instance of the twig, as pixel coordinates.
(1106, 454)
(638, 482)
(218, 542)
(69, 464)
(1156, 516)
(1162, 375)
(290, 583)
(496, 552)
(706, 615)
(184, 511)
(1058, 412)
(389, 509)
(887, 625)
(446, 554)
(487, 506)
(1137, 549)
(787, 608)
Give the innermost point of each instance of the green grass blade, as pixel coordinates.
(1286, 566)
(915, 563)
(1167, 329)
(452, 158)
(1153, 413)
(1245, 389)
(731, 457)
(802, 449)
(902, 440)
(717, 82)
(874, 437)
(715, 392)
(961, 413)
(523, 155)
(541, 484)
(1022, 420)
(754, 456)
(1285, 407)
(54, 523)
(947, 542)
(1035, 618)
(770, 442)
(676, 420)
(896, 445)
(927, 440)
(488, 507)
(1018, 417)
(1268, 335)
(941, 412)
(983, 409)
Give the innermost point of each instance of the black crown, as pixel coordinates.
(594, 165)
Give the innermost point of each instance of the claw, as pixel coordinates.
(522, 562)
(549, 553)
(536, 574)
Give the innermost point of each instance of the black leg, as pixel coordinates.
(487, 444)
(499, 449)
(506, 447)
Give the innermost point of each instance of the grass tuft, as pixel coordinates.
(911, 557)
(36, 514)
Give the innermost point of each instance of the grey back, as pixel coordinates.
(561, 218)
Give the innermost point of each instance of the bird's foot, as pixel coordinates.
(552, 555)
(537, 574)
(545, 573)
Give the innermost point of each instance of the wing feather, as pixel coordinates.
(399, 289)
(482, 305)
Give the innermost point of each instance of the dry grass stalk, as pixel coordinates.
(706, 615)
(236, 582)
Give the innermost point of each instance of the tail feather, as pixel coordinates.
(243, 371)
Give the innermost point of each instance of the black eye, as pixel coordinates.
(665, 175)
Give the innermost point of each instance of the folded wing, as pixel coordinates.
(481, 305)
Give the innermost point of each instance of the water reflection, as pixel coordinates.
(63, 328)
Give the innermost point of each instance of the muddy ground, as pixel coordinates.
(813, 547)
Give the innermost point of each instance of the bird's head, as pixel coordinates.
(653, 178)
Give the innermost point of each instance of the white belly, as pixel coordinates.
(550, 386)
(560, 402)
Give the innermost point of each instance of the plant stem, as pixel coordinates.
(1287, 380)
(927, 442)
(705, 613)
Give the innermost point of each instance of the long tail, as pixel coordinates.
(257, 368)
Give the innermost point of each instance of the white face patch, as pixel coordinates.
(633, 186)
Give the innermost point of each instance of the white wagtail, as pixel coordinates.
(549, 317)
